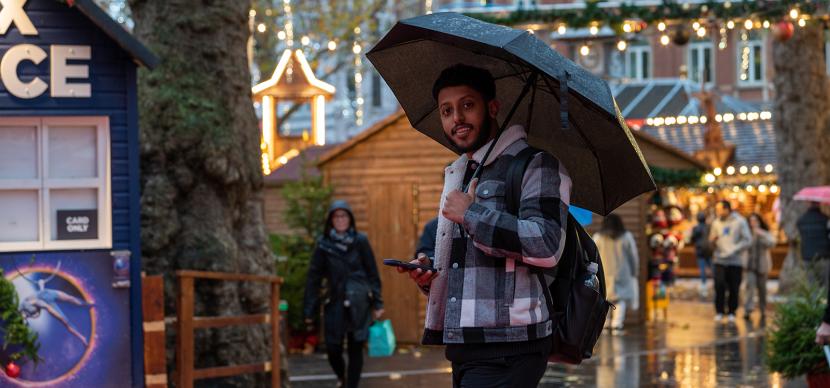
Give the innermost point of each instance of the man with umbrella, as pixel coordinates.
(495, 324)
(486, 302)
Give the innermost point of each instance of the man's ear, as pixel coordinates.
(493, 108)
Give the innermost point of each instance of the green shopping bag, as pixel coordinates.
(381, 339)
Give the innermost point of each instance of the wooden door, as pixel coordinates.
(393, 232)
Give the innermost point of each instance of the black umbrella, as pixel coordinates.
(546, 91)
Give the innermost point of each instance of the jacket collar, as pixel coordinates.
(512, 134)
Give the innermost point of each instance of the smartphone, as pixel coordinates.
(409, 266)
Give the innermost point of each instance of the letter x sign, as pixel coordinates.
(13, 12)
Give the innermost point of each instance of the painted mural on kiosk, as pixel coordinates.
(81, 315)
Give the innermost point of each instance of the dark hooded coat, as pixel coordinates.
(351, 278)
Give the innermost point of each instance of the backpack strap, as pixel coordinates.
(515, 174)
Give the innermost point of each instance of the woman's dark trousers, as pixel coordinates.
(335, 355)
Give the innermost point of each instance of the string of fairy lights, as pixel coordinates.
(673, 21)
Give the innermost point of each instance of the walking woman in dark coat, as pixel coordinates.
(344, 258)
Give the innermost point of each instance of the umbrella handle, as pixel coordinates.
(531, 81)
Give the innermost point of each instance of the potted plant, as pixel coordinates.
(792, 350)
(17, 337)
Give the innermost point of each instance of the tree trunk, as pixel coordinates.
(201, 177)
(802, 123)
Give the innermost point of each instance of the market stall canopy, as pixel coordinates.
(670, 97)
(754, 140)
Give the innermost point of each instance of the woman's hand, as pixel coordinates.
(378, 313)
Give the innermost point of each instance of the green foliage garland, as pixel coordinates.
(672, 177)
(13, 328)
(668, 10)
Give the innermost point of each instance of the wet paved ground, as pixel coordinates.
(688, 350)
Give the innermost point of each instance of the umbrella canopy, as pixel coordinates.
(820, 194)
(595, 145)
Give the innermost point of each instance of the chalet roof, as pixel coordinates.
(140, 53)
(293, 170)
(754, 140)
(670, 97)
(368, 132)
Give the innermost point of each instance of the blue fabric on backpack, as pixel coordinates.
(381, 339)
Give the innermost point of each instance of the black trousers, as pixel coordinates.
(727, 280)
(524, 370)
(351, 378)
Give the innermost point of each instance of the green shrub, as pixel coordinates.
(307, 202)
(792, 349)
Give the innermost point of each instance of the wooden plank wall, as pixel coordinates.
(398, 155)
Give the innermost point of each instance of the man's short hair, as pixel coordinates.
(465, 75)
(726, 205)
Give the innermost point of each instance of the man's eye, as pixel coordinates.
(468, 105)
(445, 112)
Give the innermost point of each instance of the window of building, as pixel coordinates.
(638, 62)
(54, 183)
(751, 64)
(701, 62)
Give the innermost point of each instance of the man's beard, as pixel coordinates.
(482, 138)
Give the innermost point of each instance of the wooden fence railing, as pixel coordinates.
(186, 323)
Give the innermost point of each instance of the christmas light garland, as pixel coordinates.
(597, 14)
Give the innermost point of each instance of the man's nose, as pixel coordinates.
(457, 117)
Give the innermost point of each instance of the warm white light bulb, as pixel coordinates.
(664, 40)
(584, 50)
(621, 45)
(261, 27)
(332, 45)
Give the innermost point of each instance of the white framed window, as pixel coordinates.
(751, 64)
(51, 167)
(701, 62)
(638, 62)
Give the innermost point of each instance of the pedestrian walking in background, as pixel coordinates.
(758, 265)
(731, 238)
(813, 228)
(618, 250)
(344, 258)
(703, 249)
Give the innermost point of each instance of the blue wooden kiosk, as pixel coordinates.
(69, 189)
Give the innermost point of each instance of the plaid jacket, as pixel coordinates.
(486, 291)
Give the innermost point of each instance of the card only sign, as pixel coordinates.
(77, 224)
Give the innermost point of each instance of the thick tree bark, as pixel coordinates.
(802, 123)
(201, 177)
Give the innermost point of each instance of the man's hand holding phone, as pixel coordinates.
(421, 277)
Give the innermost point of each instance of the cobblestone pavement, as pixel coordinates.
(688, 349)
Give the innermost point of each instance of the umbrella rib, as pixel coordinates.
(585, 139)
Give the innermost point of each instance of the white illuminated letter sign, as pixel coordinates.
(61, 71)
(8, 70)
(12, 12)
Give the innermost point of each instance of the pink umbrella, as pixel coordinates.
(814, 194)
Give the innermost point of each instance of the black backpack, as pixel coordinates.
(577, 311)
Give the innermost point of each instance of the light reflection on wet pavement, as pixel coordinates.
(688, 350)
